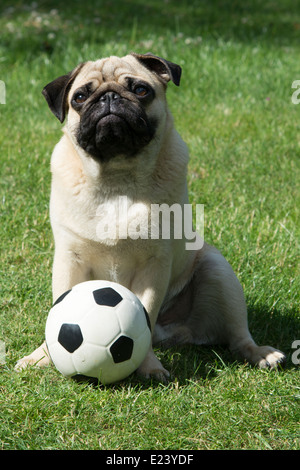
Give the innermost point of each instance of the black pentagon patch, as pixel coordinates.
(70, 336)
(121, 350)
(61, 297)
(107, 296)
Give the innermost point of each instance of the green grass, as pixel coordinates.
(234, 110)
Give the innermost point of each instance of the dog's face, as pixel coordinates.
(115, 106)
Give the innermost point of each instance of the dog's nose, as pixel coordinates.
(110, 96)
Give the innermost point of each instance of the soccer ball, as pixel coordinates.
(98, 329)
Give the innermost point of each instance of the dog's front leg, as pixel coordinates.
(152, 292)
(69, 269)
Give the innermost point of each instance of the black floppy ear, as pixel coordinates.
(163, 68)
(56, 93)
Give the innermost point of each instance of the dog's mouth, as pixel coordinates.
(109, 127)
(139, 125)
(112, 119)
(112, 126)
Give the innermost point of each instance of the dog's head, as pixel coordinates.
(116, 105)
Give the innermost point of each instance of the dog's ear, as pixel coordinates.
(163, 68)
(56, 93)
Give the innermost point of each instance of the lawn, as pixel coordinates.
(234, 110)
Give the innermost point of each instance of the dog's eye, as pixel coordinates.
(141, 90)
(80, 98)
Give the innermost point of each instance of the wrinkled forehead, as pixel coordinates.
(113, 69)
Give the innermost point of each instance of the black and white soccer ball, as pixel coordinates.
(98, 329)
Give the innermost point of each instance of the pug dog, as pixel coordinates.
(119, 143)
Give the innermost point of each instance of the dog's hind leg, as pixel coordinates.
(213, 311)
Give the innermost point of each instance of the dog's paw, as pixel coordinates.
(161, 375)
(23, 363)
(270, 358)
(151, 367)
(265, 357)
(39, 357)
